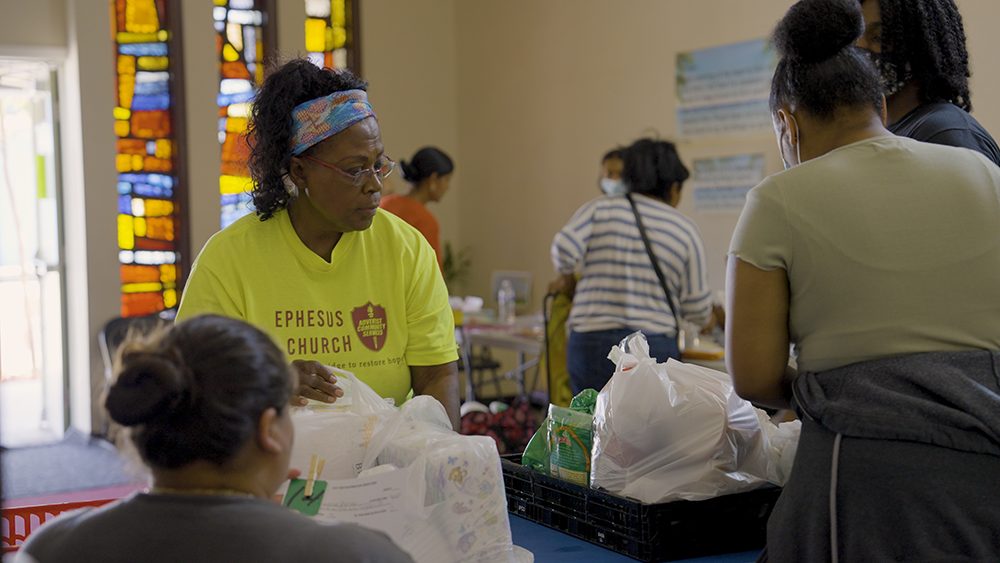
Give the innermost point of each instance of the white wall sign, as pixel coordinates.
(724, 90)
(721, 183)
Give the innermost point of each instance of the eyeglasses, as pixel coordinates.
(360, 176)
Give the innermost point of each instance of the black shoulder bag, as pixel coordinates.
(656, 264)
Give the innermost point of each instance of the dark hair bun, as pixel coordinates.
(410, 172)
(425, 163)
(815, 30)
(149, 386)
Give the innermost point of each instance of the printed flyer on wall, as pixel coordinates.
(722, 183)
(724, 90)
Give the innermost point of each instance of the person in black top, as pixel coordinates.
(919, 49)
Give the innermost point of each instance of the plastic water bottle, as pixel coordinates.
(506, 302)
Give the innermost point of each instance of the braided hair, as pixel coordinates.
(928, 36)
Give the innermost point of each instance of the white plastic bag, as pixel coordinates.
(674, 431)
(462, 510)
(339, 432)
(449, 503)
(358, 397)
(782, 443)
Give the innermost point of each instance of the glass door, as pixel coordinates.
(32, 327)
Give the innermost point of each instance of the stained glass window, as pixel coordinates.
(240, 27)
(148, 214)
(330, 33)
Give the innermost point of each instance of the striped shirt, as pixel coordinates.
(618, 287)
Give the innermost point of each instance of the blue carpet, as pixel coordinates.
(77, 462)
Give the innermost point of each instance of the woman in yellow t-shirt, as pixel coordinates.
(334, 280)
(429, 172)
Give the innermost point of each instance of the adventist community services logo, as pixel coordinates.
(370, 325)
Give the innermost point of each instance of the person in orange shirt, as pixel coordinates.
(429, 171)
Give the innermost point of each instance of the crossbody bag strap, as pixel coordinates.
(652, 258)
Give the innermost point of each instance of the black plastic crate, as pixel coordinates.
(647, 532)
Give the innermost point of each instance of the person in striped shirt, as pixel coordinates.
(618, 291)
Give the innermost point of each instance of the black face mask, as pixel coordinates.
(893, 78)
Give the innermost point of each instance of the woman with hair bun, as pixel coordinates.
(429, 174)
(878, 258)
(205, 404)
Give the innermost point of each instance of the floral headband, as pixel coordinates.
(322, 118)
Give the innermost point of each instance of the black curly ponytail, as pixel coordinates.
(820, 69)
(270, 127)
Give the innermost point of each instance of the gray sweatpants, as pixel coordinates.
(895, 500)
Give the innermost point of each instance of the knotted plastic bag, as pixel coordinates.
(675, 431)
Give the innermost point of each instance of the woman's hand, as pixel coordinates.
(565, 284)
(315, 382)
(716, 320)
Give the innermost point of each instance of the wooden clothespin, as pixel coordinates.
(311, 476)
(315, 470)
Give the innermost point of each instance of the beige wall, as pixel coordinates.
(88, 153)
(27, 26)
(981, 17)
(201, 82)
(409, 58)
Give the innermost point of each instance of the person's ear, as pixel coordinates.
(296, 171)
(884, 114)
(674, 194)
(786, 126)
(269, 437)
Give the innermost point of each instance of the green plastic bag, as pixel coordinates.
(585, 401)
(537, 454)
(570, 437)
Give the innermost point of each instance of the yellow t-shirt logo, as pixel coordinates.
(370, 323)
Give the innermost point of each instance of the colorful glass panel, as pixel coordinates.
(147, 209)
(240, 47)
(329, 36)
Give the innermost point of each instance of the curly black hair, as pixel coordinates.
(651, 167)
(270, 127)
(820, 69)
(928, 35)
